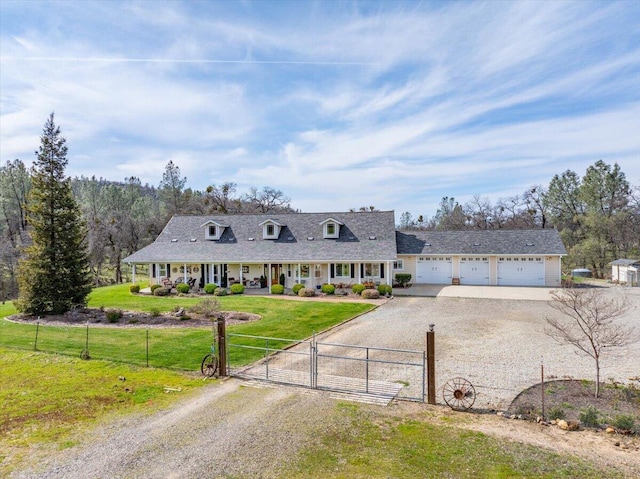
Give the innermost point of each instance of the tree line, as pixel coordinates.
(597, 215)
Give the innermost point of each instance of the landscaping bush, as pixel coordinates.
(306, 292)
(358, 288)
(237, 288)
(590, 417)
(182, 288)
(296, 288)
(220, 292)
(209, 288)
(370, 294)
(328, 289)
(154, 287)
(134, 288)
(403, 279)
(155, 312)
(113, 315)
(385, 289)
(277, 289)
(161, 291)
(624, 422)
(556, 413)
(209, 308)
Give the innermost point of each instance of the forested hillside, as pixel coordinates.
(597, 214)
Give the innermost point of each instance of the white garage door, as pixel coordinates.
(474, 270)
(433, 270)
(521, 271)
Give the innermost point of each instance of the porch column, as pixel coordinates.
(269, 279)
(299, 275)
(133, 273)
(389, 268)
(184, 275)
(240, 273)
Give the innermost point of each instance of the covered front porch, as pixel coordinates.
(255, 276)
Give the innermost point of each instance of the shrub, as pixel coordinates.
(590, 417)
(209, 308)
(155, 312)
(209, 288)
(384, 289)
(161, 292)
(182, 288)
(237, 288)
(403, 279)
(134, 288)
(296, 288)
(114, 315)
(328, 289)
(624, 422)
(306, 292)
(281, 279)
(370, 294)
(154, 287)
(277, 289)
(358, 288)
(556, 413)
(220, 292)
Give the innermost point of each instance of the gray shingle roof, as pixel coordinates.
(625, 262)
(183, 239)
(507, 242)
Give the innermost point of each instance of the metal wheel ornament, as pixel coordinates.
(459, 394)
(84, 354)
(209, 365)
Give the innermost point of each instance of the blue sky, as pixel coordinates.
(338, 104)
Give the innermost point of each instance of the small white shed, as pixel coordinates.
(625, 271)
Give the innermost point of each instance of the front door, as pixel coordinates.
(275, 273)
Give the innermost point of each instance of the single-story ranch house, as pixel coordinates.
(343, 249)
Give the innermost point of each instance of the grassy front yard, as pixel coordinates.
(176, 348)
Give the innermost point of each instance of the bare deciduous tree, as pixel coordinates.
(590, 323)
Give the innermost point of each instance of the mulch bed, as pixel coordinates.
(572, 397)
(98, 317)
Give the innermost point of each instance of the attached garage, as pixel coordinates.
(521, 271)
(481, 257)
(433, 270)
(475, 270)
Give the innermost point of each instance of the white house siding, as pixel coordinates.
(552, 271)
(409, 267)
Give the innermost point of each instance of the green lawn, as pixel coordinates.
(378, 443)
(177, 348)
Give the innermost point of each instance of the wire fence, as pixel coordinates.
(173, 348)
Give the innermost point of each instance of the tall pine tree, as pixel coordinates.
(54, 272)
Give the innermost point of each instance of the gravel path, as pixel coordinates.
(225, 431)
(228, 430)
(498, 345)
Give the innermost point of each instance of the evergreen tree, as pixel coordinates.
(54, 272)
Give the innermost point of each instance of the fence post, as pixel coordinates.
(222, 347)
(147, 347)
(35, 343)
(431, 366)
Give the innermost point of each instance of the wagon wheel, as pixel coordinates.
(209, 365)
(459, 394)
(84, 354)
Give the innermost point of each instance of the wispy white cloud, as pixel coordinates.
(339, 105)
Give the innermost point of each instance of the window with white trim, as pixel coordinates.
(398, 264)
(331, 230)
(372, 270)
(342, 270)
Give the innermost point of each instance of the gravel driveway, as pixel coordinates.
(228, 430)
(498, 345)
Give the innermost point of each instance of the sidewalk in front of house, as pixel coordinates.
(484, 292)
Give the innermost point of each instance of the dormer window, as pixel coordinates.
(271, 229)
(213, 231)
(331, 228)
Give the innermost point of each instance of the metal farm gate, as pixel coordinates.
(380, 372)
